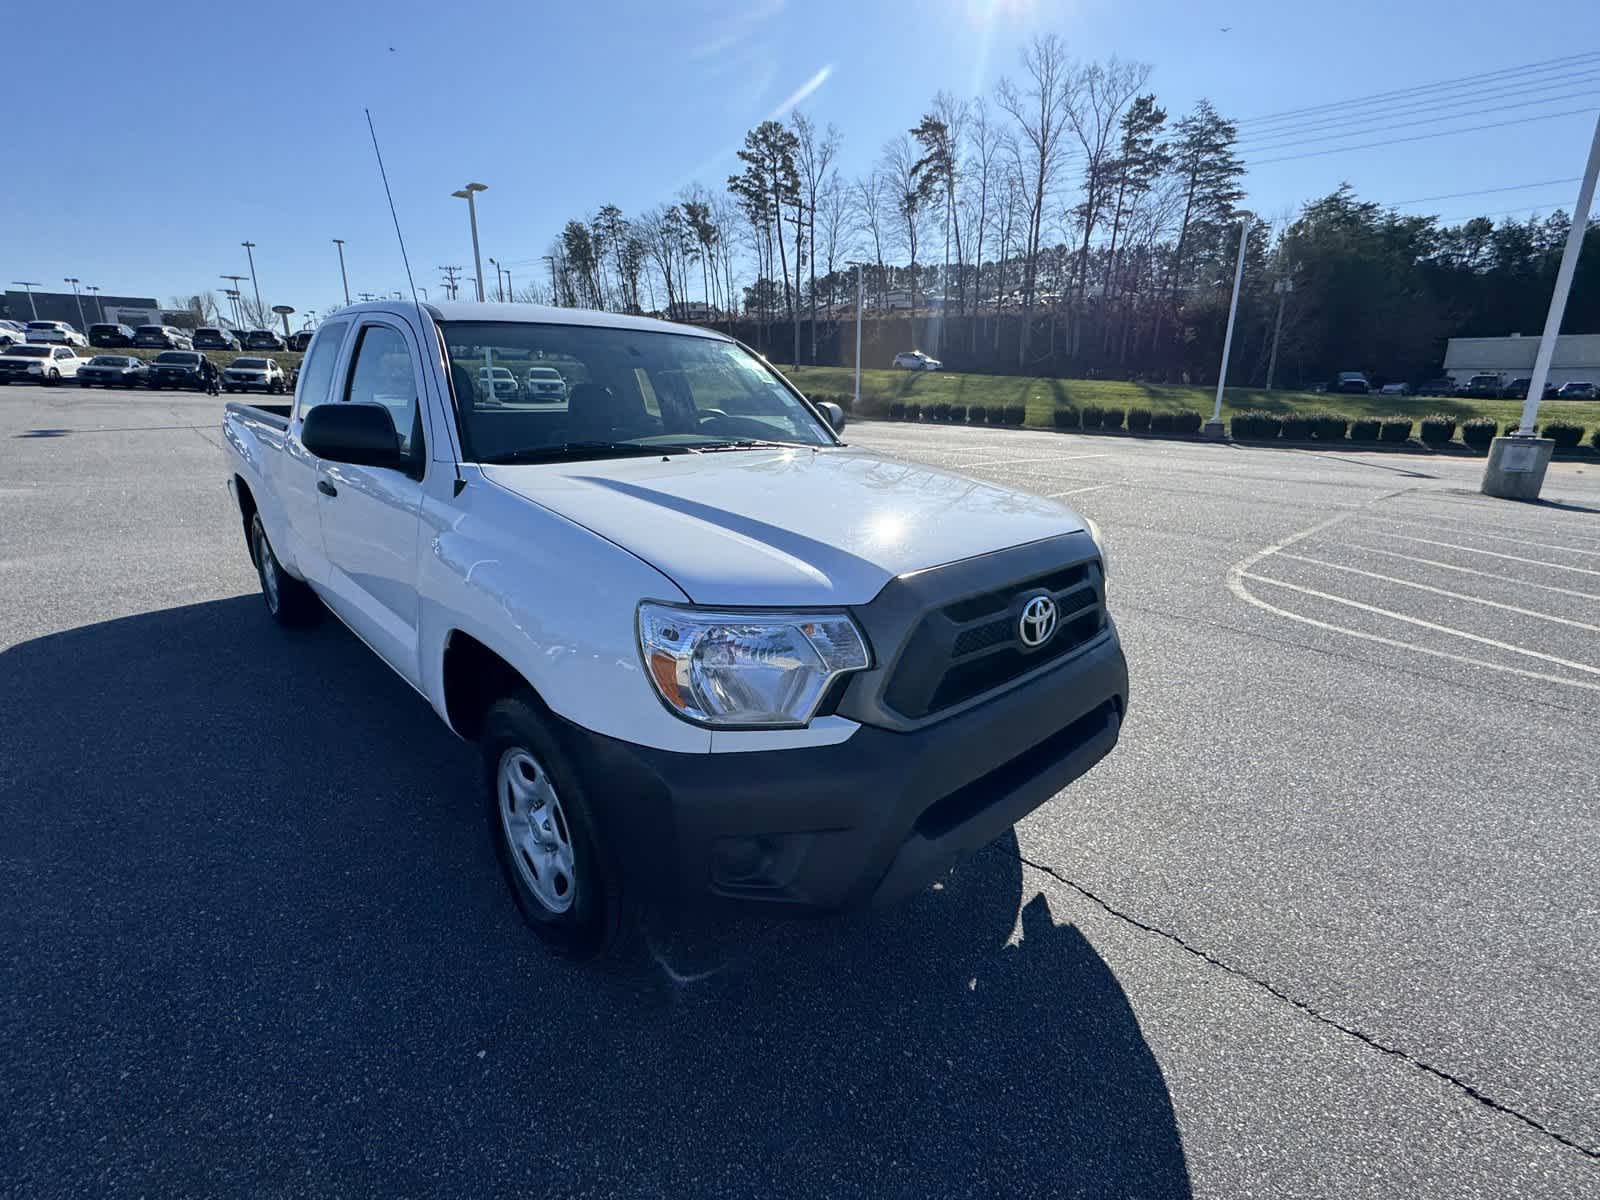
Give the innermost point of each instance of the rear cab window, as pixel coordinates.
(316, 375)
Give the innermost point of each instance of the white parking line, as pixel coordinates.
(1543, 587)
(1013, 462)
(1437, 591)
(1496, 537)
(1535, 562)
(1410, 620)
(1093, 487)
(1477, 523)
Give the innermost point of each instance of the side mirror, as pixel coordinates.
(360, 434)
(834, 413)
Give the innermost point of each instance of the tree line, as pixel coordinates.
(1065, 224)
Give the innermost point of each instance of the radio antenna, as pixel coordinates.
(422, 322)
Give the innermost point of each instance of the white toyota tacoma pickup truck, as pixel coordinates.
(707, 649)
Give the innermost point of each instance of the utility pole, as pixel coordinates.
(499, 291)
(343, 278)
(249, 251)
(469, 193)
(236, 296)
(1213, 427)
(555, 292)
(450, 274)
(366, 296)
(1283, 287)
(29, 285)
(1516, 466)
(74, 282)
(511, 294)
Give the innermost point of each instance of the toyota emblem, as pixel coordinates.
(1038, 621)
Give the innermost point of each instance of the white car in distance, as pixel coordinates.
(545, 384)
(39, 362)
(55, 331)
(501, 380)
(916, 360)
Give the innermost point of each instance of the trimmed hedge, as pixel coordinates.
(958, 414)
(1329, 427)
(1093, 416)
(1111, 418)
(913, 412)
(1255, 425)
(941, 411)
(1139, 420)
(1479, 432)
(1297, 427)
(1438, 428)
(1513, 425)
(1066, 417)
(1594, 439)
(1395, 429)
(1365, 429)
(1163, 422)
(897, 411)
(997, 414)
(1564, 434)
(1187, 422)
(976, 415)
(1016, 414)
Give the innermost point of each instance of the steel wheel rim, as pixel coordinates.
(536, 829)
(269, 569)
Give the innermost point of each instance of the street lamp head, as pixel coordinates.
(477, 187)
(460, 195)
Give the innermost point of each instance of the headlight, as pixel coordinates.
(1100, 543)
(741, 669)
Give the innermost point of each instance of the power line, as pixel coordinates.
(1515, 187)
(1421, 137)
(1377, 97)
(1452, 106)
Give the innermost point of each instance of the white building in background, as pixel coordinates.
(1577, 357)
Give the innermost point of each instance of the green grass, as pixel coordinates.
(1043, 396)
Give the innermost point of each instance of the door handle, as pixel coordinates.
(326, 488)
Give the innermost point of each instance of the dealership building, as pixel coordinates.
(18, 305)
(1577, 358)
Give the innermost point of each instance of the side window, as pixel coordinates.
(316, 376)
(383, 373)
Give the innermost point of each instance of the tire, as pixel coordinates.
(578, 907)
(290, 602)
(53, 379)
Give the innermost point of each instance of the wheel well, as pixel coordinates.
(247, 509)
(475, 677)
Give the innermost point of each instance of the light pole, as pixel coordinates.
(469, 194)
(1283, 287)
(29, 285)
(511, 294)
(1516, 466)
(1214, 426)
(249, 252)
(499, 290)
(234, 295)
(100, 313)
(72, 279)
(860, 299)
(343, 278)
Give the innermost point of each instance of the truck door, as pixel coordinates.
(295, 481)
(370, 514)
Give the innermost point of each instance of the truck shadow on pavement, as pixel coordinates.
(257, 942)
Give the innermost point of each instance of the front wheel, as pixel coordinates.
(52, 379)
(545, 835)
(290, 602)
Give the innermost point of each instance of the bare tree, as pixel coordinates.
(814, 157)
(870, 217)
(1040, 110)
(833, 212)
(908, 191)
(985, 139)
(1100, 96)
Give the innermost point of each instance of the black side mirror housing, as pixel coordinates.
(360, 434)
(834, 413)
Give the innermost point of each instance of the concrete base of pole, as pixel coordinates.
(1213, 430)
(1516, 467)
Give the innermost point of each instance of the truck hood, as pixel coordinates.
(796, 527)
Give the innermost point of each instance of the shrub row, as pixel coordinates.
(959, 414)
(1139, 420)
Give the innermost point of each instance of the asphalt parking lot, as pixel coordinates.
(1325, 923)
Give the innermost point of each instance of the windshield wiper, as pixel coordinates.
(743, 444)
(579, 449)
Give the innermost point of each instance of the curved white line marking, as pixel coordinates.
(1543, 587)
(1493, 537)
(1533, 562)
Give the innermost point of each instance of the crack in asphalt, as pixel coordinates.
(1310, 1010)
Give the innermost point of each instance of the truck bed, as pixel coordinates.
(273, 414)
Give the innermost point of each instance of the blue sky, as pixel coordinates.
(194, 127)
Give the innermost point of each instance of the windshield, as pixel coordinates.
(29, 352)
(629, 391)
(108, 360)
(181, 358)
(251, 364)
(42, 325)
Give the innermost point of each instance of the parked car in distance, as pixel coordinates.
(162, 337)
(1442, 385)
(254, 375)
(505, 383)
(211, 337)
(12, 333)
(692, 664)
(300, 339)
(39, 362)
(546, 385)
(58, 332)
(110, 335)
(1485, 385)
(916, 360)
(113, 370)
(1351, 383)
(1578, 389)
(178, 369)
(262, 339)
(1517, 389)
(1395, 389)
